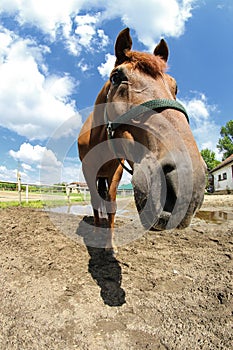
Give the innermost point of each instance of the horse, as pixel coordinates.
(136, 118)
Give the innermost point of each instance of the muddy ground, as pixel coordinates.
(165, 290)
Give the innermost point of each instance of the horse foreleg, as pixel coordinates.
(111, 206)
(96, 217)
(111, 211)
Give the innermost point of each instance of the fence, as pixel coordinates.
(20, 192)
(17, 191)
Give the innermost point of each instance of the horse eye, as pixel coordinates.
(115, 79)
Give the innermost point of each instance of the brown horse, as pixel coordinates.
(136, 118)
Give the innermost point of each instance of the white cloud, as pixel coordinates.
(205, 130)
(35, 155)
(72, 172)
(32, 102)
(59, 20)
(106, 68)
(59, 87)
(86, 33)
(48, 15)
(198, 108)
(158, 18)
(83, 66)
(104, 38)
(27, 167)
(152, 20)
(7, 174)
(40, 165)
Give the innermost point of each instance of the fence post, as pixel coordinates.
(68, 190)
(19, 186)
(85, 194)
(26, 193)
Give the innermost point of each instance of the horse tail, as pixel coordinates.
(102, 188)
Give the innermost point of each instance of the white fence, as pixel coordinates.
(22, 192)
(17, 191)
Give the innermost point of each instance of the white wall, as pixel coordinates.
(223, 184)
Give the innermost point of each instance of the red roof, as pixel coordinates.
(225, 162)
(80, 184)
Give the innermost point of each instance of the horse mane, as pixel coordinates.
(146, 62)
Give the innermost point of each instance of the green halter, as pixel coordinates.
(157, 105)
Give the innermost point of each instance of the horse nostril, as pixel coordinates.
(170, 174)
(168, 168)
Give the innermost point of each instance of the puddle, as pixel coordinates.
(83, 210)
(216, 217)
(72, 209)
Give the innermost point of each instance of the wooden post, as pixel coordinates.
(19, 186)
(85, 194)
(26, 193)
(68, 190)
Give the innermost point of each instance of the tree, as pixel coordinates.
(209, 158)
(225, 143)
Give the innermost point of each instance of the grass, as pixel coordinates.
(38, 204)
(31, 204)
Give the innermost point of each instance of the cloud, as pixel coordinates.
(104, 40)
(106, 68)
(37, 154)
(59, 20)
(85, 28)
(33, 103)
(158, 18)
(27, 167)
(41, 165)
(55, 18)
(206, 132)
(83, 66)
(40, 160)
(47, 15)
(7, 174)
(72, 172)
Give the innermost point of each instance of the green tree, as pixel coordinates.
(225, 143)
(210, 158)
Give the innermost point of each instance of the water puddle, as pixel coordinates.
(216, 217)
(83, 210)
(72, 209)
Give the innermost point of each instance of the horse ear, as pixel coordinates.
(123, 44)
(162, 50)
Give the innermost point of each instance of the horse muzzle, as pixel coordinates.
(163, 193)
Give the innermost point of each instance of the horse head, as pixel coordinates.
(168, 171)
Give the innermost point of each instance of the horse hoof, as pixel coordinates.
(111, 252)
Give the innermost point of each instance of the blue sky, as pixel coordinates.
(56, 55)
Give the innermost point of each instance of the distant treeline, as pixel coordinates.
(13, 186)
(8, 186)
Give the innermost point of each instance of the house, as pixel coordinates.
(125, 190)
(77, 187)
(222, 175)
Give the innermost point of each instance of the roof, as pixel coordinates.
(78, 184)
(125, 187)
(225, 162)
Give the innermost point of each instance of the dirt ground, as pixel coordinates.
(165, 290)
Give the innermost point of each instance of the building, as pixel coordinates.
(222, 175)
(125, 190)
(77, 187)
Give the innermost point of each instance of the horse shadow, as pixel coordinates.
(103, 266)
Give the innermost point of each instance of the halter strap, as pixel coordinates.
(157, 105)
